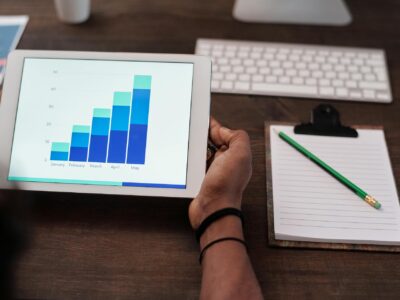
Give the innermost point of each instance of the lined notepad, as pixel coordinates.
(311, 205)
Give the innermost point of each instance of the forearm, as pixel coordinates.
(227, 271)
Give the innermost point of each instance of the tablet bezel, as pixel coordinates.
(198, 129)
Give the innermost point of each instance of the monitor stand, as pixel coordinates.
(312, 12)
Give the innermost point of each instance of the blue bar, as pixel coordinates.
(120, 118)
(157, 185)
(100, 126)
(137, 144)
(99, 139)
(118, 134)
(117, 147)
(98, 148)
(138, 126)
(78, 153)
(56, 155)
(80, 139)
(140, 106)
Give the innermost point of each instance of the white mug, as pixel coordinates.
(72, 11)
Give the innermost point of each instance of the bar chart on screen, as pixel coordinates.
(103, 122)
(116, 135)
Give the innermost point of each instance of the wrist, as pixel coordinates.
(202, 207)
(228, 226)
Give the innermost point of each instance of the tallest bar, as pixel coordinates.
(139, 120)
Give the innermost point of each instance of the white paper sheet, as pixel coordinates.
(311, 205)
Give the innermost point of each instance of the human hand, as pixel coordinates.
(227, 176)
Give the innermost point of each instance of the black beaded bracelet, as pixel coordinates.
(216, 216)
(218, 241)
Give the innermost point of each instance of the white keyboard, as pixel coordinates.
(306, 71)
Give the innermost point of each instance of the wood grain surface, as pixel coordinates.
(109, 247)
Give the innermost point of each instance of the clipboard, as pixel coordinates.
(325, 120)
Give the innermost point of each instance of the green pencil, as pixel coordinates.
(360, 192)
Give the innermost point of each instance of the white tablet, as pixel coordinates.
(110, 123)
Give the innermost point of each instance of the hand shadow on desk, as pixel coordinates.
(14, 236)
(144, 213)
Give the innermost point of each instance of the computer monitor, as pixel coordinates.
(313, 12)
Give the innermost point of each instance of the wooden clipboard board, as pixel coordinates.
(270, 209)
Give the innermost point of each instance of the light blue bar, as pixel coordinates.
(142, 82)
(52, 180)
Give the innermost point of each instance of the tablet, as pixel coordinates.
(109, 123)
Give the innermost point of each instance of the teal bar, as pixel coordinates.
(52, 180)
(60, 147)
(122, 99)
(101, 113)
(142, 82)
(81, 129)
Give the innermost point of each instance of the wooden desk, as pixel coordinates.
(98, 247)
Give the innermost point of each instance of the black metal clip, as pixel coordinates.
(325, 120)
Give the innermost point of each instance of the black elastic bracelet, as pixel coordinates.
(218, 241)
(215, 216)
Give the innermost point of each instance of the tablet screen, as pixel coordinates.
(103, 122)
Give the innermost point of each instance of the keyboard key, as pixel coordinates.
(242, 86)
(244, 77)
(225, 69)
(251, 70)
(271, 79)
(277, 72)
(356, 76)
(337, 83)
(324, 82)
(351, 84)
(255, 55)
(373, 85)
(342, 92)
(284, 88)
(236, 61)
(287, 64)
(369, 77)
(214, 84)
(317, 74)
(248, 62)
(281, 56)
(265, 71)
(356, 95)
(383, 96)
(291, 72)
(375, 63)
(231, 76)
(369, 94)
(327, 91)
(298, 80)
(311, 81)
(218, 76)
(274, 64)
(227, 85)
(269, 56)
(304, 73)
(257, 78)
(261, 63)
(238, 69)
(284, 79)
